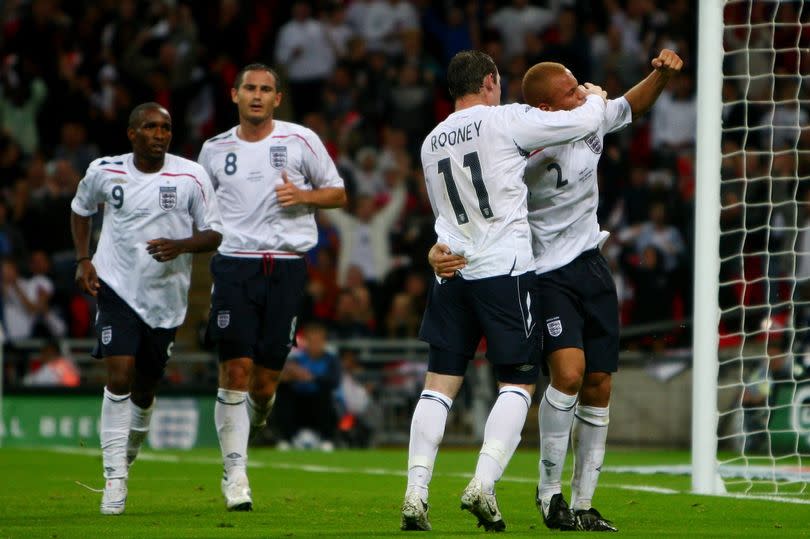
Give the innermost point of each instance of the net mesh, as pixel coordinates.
(764, 378)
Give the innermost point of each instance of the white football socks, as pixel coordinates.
(502, 434)
(138, 428)
(555, 418)
(427, 431)
(233, 427)
(589, 438)
(115, 420)
(257, 413)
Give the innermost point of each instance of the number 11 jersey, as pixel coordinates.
(474, 162)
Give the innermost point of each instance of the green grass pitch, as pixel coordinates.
(351, 494)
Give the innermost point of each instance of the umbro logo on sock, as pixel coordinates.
(234, 456)
(547, 463)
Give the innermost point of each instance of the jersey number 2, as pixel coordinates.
(471, 162)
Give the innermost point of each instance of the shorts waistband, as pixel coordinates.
(590, 253)
(260, 255)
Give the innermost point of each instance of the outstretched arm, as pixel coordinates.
(642, 96)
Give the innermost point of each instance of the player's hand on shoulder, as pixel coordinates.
(163, 249)
(444, 263)
(667, 62)
(288, 194)
(87, 278)
(593, 89)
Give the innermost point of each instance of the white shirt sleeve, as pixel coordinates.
(618, 114)
(88, 195)
(533, 128)
(202, 159)
(204, 209)
(318, 167)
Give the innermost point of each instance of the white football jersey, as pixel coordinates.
(564, 194)
(139, 207)
(245, 175)
(474, 162)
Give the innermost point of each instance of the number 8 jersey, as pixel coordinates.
(245, 175)
(139, 207)
(474, 163)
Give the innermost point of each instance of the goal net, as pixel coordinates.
(761, 418)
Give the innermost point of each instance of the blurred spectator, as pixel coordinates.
(304, 50)
(652, 287)
(21, 99)
(403, 320)
(348, 322)
(39, 266)
(657, 232)
(50, 368)
(305, 396)
(74, 148)
(26, 305)
(365, 236)
(358, 417)
(784, 118)
(773, 371)
(12, 244)
(515, 21)
(381, 22)
(674, 117)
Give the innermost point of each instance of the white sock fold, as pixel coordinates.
(115, 421)
(233, 428)
(258, 414)
(502, 434)
(138, 428)
(427, 431)
(555, 418)
(589, 438)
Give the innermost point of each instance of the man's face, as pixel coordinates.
(565, 93)
(152, 137)
(257, 97)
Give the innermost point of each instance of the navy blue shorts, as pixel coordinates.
(255, 305)
(578, 308)
(460, 312)
(122, 332)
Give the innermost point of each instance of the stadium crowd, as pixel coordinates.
(368, 77)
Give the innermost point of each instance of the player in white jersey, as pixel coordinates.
(473, 163)
(158, 209)
(576, 297)
(270, 177)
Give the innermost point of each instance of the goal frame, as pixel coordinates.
(706, 310)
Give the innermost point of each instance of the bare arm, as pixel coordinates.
(326, 197)
(86, 277)
(643, 95)
(163, 249)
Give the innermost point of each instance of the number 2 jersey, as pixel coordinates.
(474, 163)
(139, 207)
(245, 175)
(564, 194)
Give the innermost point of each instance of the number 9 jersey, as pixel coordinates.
(474, 163)
(139, 207)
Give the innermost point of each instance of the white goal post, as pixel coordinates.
(751, 374)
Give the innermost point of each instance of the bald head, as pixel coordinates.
(540, 81)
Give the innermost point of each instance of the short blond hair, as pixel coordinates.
(538, 82)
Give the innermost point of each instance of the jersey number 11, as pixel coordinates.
(470, 161)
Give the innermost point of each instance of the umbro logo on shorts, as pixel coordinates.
(525, 368)
(223, 319)
(554, 326)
